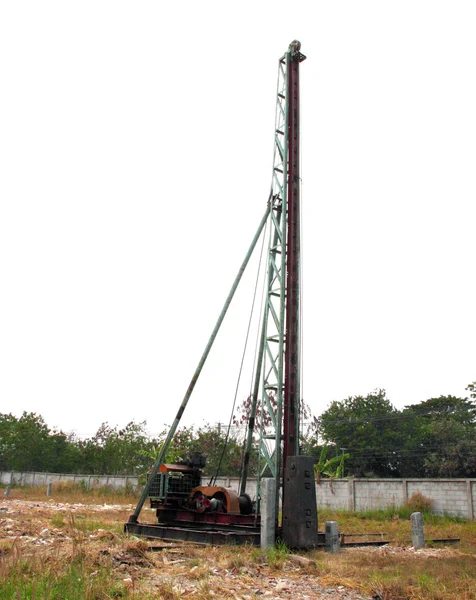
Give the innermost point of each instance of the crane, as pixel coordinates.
(188, 510)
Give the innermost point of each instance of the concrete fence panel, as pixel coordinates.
(455, 497)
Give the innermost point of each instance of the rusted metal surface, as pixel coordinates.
(299, 528)
(166, 515)
(228, 496)
(215, 537)
(292, 392)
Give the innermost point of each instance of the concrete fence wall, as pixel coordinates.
(455, 497)
(38, 479)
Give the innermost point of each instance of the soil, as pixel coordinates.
(183, 569)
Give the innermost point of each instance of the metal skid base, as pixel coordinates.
(198, 533)
(205, 533)
(202, 528)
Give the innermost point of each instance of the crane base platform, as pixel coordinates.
(198, 533)
(204, 534)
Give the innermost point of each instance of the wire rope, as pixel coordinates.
(214, 478)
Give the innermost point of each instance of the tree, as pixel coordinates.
(116, 451)
(364, 426)
(62, 453)
(23, 444)
(472, 390)
(440, 438)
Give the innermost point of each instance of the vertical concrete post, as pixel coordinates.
(469, 494)
(7, 490)
(48, 489)
(404, 490)
(351, 492)
(332, 536)
(418, 537)
(268, 512)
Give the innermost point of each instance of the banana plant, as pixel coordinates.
(332, 467)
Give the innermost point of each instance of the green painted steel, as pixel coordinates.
(198, 370)
(270, 368)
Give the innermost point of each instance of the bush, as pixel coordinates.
(419, 503)
(416, 503)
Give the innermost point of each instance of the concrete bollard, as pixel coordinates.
(7, 490)
(418, 536)
(268, 512)
(48, 489)
(332, 536)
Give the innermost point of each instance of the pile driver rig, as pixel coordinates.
(188, 510)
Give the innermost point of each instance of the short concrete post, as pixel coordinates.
(268, 512)
(7, 490)
(418, 537)
(332, 536)
(48, 489)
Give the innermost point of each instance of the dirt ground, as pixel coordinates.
(181, 568)
(40, 528)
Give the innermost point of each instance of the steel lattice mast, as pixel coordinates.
(278, 364)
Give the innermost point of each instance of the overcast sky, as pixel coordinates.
(135, 163)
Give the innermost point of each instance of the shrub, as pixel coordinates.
(416, 503)
(419, 503)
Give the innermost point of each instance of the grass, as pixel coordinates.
(87, 556)
(34, 573)
(65, 491)
(396, 528)
(398, 572)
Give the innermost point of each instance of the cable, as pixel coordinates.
(213, 479)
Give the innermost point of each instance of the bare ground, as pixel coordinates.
(42, 529)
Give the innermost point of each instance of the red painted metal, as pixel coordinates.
(168, 516)
(291, 362)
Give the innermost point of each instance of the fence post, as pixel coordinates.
(469, 492)
(418, 536)
(405, 490)
(351, 492)
(332, 536)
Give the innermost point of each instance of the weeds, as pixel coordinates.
(276, 555)
(26, 576)
(81, 561)
(66, 491)
(57, 520)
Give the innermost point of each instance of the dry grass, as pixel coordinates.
(437, 572)
(64, 491)
(72, 546)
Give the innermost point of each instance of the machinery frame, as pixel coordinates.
(219, 514)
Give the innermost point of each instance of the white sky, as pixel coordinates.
(135, 164)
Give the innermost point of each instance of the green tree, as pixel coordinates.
(114, 451)
(364, 426)
(62, 453)
(439, 438)
(472, 390)
(23, 442)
